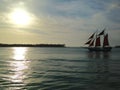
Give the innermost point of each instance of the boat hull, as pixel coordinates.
(99, 48)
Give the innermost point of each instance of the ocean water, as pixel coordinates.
(24, 68)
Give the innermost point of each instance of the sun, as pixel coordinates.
(20, 17)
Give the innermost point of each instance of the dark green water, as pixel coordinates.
(24, 68)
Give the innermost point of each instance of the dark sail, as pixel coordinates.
(92, 43)
(105, 42)
(102, 33)
(91, 36)
(97, 42)
(88, 42)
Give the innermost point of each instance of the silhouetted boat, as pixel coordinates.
(94, 42)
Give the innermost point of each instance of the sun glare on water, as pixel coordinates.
(19, 53)
(20, 17)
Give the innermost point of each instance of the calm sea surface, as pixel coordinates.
(23, 68)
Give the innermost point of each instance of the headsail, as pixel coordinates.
(92, 43)
(90, 39)
(92, 36)
(88, 42)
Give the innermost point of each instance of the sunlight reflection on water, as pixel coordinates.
(19, 65)
(19, 53)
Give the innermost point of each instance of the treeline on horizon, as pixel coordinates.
(32, 45)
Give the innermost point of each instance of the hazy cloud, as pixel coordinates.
(60, 20)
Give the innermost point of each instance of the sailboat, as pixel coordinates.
(94, 42)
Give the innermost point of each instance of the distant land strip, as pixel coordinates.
(117, 46)
(32, 45)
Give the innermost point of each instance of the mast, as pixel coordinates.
(105, 41)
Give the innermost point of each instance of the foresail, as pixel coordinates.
(97, 43)
(105, 41)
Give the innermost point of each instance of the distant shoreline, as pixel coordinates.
(32, 45)
(117, 46)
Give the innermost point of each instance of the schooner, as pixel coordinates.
(94, 42)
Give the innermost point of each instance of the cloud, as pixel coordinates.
(114, 13)
(61, 20)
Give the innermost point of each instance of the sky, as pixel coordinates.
(68, 22)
